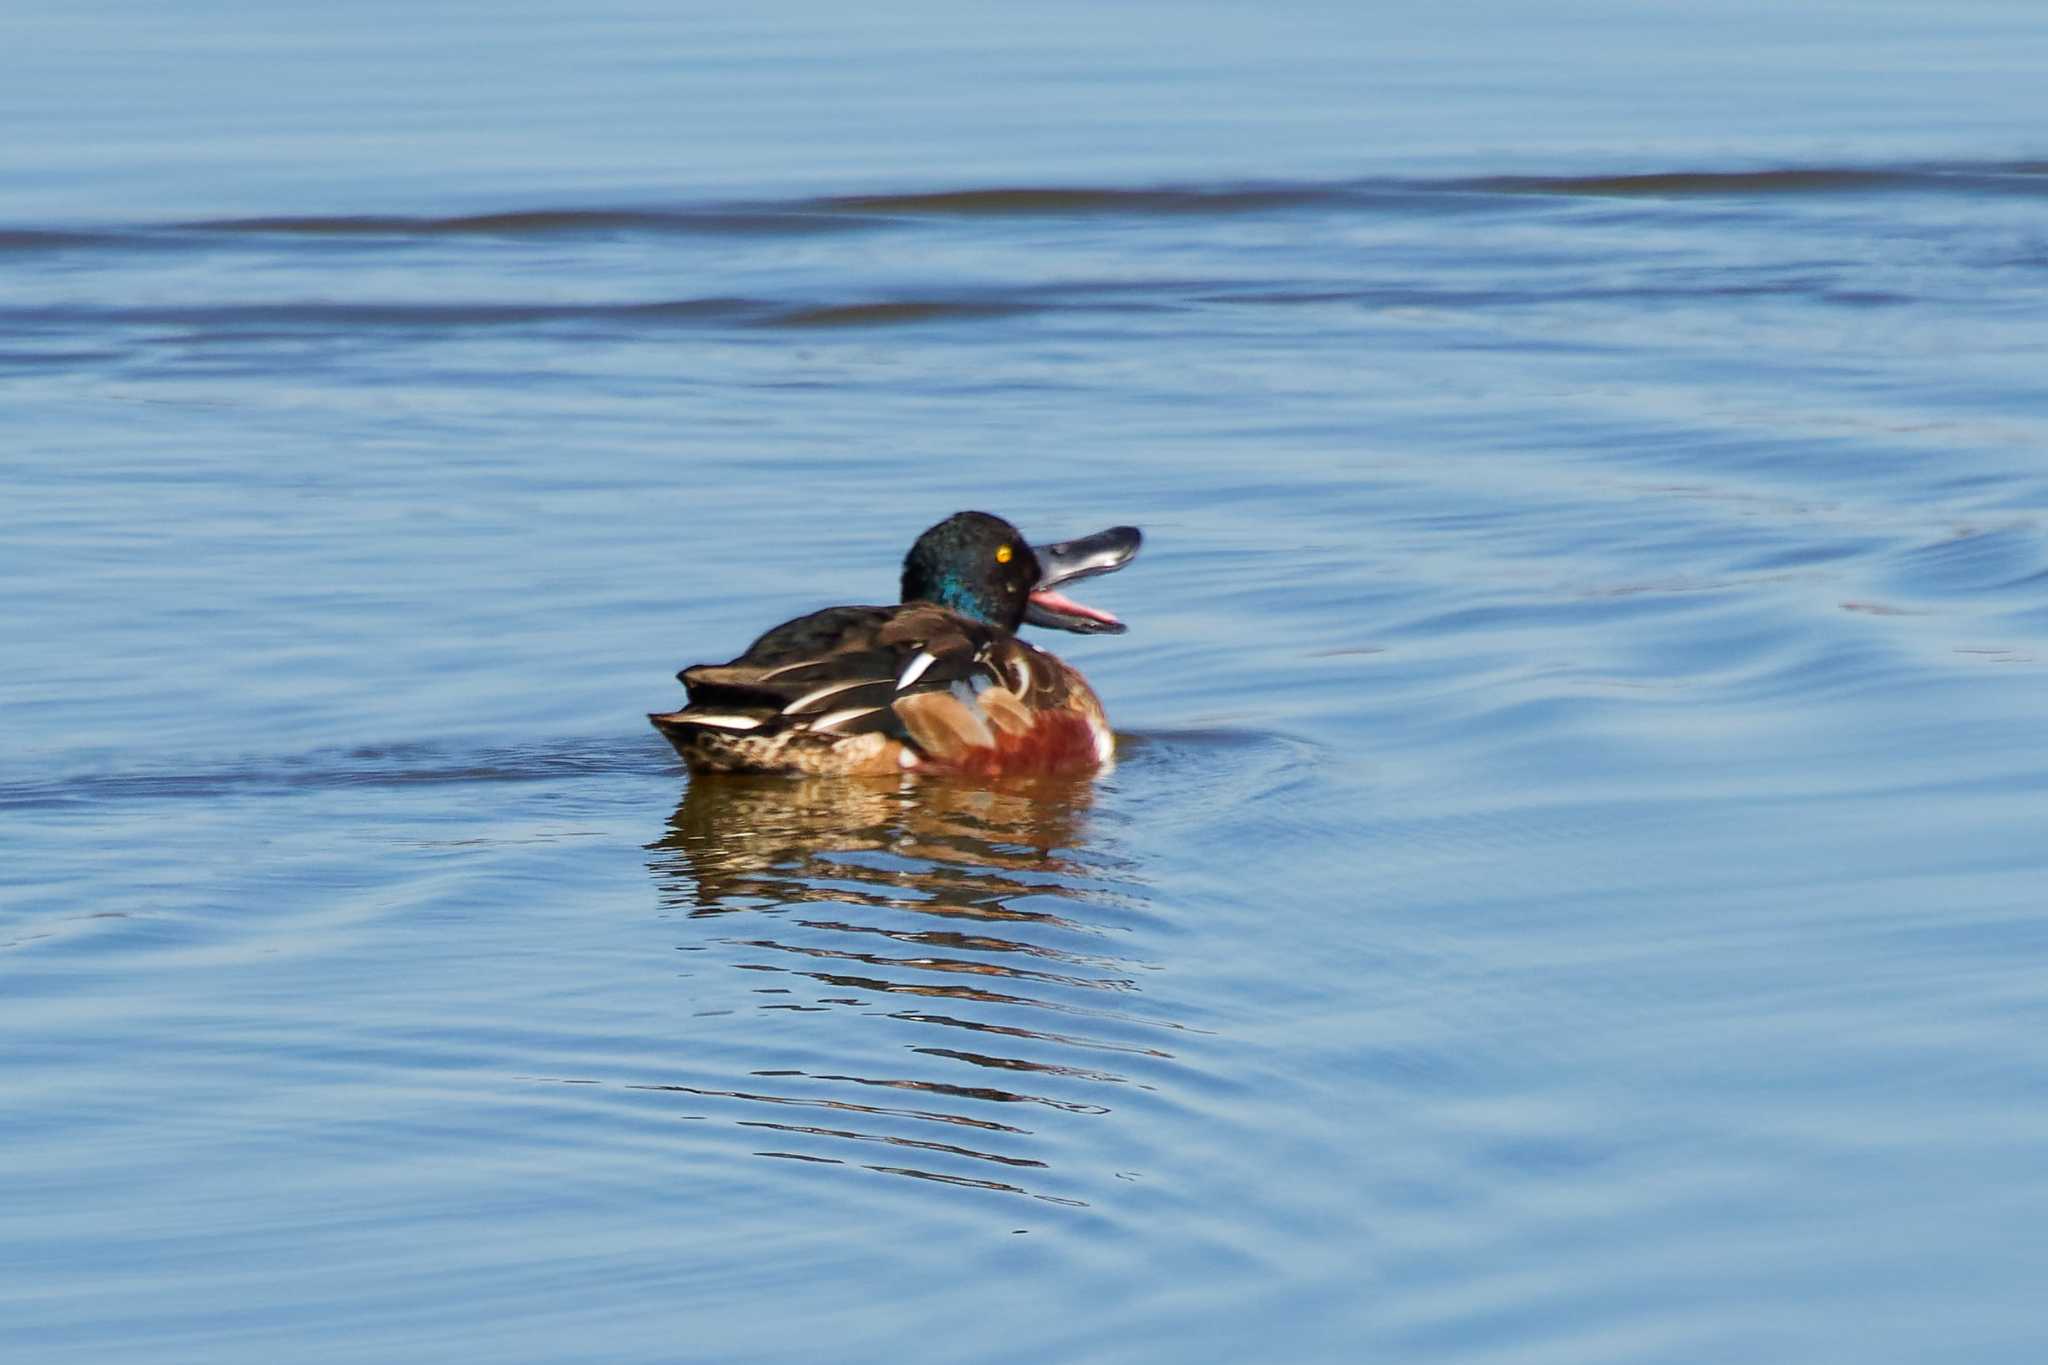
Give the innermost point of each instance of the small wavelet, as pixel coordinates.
(1068, 201)
(1976, 564)
(1665, 184)
(203, 322)
(319, 315)
(887, 210)
(897, 312)
(2008, 178)
(1199, 776)
(61, 239)
(719, 220)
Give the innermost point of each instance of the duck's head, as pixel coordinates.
(979, 566)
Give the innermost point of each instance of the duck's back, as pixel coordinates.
(883, 690)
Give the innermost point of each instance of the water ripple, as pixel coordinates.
(867, 212)
(388, 765)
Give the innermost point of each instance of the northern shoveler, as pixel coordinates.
(940, 682)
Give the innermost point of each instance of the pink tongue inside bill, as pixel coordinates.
(1053, 601)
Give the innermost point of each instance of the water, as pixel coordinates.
(1570, 891)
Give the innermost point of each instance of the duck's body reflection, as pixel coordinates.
(970, 926)
(739, 838)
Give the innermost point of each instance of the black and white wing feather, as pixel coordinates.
(842, 671)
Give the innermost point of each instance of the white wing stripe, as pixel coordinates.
(820, 693)
(914, 670)
(838, 718)
(721, 722)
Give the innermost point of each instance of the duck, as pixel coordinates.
(938, 683)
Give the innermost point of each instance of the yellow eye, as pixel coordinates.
(1004, 554)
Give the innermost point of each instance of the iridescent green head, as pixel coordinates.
(976, 565)
(979, 566)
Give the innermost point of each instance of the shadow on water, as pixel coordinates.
(952, 945)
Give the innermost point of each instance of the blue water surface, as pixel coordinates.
(1570, 889)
